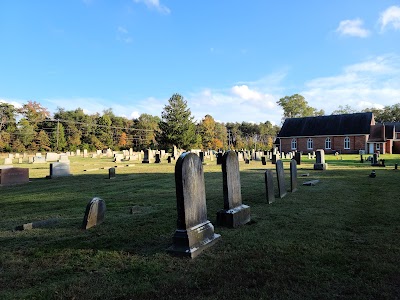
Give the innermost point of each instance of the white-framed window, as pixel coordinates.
(294, 144)
(310, 143)
(328, 143)
(378, 146)
(346, 142)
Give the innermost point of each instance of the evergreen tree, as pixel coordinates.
(43, 141)
(177, 126)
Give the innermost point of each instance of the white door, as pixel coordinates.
(371, 148)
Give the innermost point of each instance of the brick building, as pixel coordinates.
(347, 133)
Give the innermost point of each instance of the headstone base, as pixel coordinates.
(191, 242)
(321, 166)
(145, 162)
(234, 217)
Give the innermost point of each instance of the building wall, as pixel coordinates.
(337, 144)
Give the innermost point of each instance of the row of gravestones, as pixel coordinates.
(194, 232)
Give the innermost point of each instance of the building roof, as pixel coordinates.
(395, 124)
(346, 124)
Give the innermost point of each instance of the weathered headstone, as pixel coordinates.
(148, 156)
(78, 152)
(297, 157)
(111, 173)
(194, 232)
(281, 179)
(8, 161)
(39, 160)
(64, 158)
(85, 153)
(20, 160)
(94, 214)
(274, 159)
(59, 169)
(51, 156)
(169, 159)
(293, 175)
(234, 213)
(11, 176)
(320, 160)
(269, 186)
(263, 161)
(158, 160)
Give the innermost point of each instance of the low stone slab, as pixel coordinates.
(94, 214)
(311, 182)
(11, 176)
(37, 224)
(304, 175)
(234, 217)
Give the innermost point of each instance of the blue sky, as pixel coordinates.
(232, 59)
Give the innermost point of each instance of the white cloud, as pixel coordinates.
(15, 102)
(135, 115)
(123, 35)
(372, 83)
(244, 92)
(352, 28)
(155, 4)
(390, 18)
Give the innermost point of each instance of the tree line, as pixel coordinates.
(32, 128)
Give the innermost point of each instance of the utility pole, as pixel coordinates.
(58, 131)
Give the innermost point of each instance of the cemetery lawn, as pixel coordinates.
(338, 239)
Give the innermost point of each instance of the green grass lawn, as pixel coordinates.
(336, 240)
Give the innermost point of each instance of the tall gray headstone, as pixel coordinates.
(293, 175)
(269, 186)
(94, 213)
(320, 160)
(194, 232)
(281, 179)
(234, 213)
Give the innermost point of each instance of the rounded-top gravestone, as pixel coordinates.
(194, 232)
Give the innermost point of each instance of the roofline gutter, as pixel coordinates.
(325, 135)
